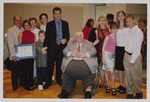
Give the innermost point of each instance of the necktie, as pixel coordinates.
(58, 34)
(78, 49)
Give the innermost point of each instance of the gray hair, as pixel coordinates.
(81, 33)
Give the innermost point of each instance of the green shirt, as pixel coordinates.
(41, 60)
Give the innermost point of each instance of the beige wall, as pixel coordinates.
(73, 14)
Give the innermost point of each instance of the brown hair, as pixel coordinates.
(144, 20)
(124, 24)
(41, 32)
(114, 25)
(129, 16)
(30, 19)
(26, 21)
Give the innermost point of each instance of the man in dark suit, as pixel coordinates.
(57, 36)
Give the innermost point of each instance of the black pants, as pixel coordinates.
(77, 69)
(16, 73)
(27, 65)
(56, 57)
(41, 73)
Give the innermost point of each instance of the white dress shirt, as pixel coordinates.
(43, 27)
(134, 42)
(122, 36)
(75, 58)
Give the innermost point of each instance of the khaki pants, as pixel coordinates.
(133, 74)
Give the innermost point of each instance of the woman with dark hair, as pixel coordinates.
(87, 29)
(142, 23)
(122, 36)
(27, 37)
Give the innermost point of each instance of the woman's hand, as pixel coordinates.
(96, 42)
(104, 60)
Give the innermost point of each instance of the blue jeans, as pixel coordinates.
(41, 74)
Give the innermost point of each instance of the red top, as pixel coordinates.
(27, 37)
(102, 33)
(111, 44)
(86, 32)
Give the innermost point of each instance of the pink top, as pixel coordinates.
(86, 32)
(111, 44)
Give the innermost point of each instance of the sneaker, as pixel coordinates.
(40, 87)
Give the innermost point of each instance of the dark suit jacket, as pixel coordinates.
(50, 36)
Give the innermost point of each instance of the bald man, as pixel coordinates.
(12, 40)
(80, 62)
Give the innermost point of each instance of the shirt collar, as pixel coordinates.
(18, 28)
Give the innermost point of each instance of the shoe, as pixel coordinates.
(59, 82)
(63, 94)
(101, 85)
(118, 88)
(123, 90)
(108, 89)
(15, 87)
(130, 96)
(40, 87)
(113, 91)
(31, 88)
(138, 96)
(88, 94)
(46, 85)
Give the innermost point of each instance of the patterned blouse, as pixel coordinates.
(102, 33)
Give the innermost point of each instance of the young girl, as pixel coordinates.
(121, 36)
(101, 32)
(41, 60)
(108, 57)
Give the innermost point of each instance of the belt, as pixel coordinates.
(128, 53)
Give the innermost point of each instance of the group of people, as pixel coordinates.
(103, 45)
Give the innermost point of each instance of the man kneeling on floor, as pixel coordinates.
(79, 62)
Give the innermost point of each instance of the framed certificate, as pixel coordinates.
(24, 51)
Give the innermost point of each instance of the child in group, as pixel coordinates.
(101, 32)
(41, 60)
(108, 57)
(132, 59)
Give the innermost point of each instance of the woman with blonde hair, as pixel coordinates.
(101, 32)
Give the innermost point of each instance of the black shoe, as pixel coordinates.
(15, 87)
(59, 82)
(88, 94)
(138, 96)
(31, 88)
(130, 96)
(118, 88)
(46, 85)
(63, 94)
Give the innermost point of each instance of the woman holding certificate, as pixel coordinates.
(27, 37)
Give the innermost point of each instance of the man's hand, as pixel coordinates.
(80, 55)
(44, 49)
(131, 64)
(44, 52)
(63, 41)
(14, 59)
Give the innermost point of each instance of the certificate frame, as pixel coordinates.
(24, 48)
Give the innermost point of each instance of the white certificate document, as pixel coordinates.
(25, 51)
